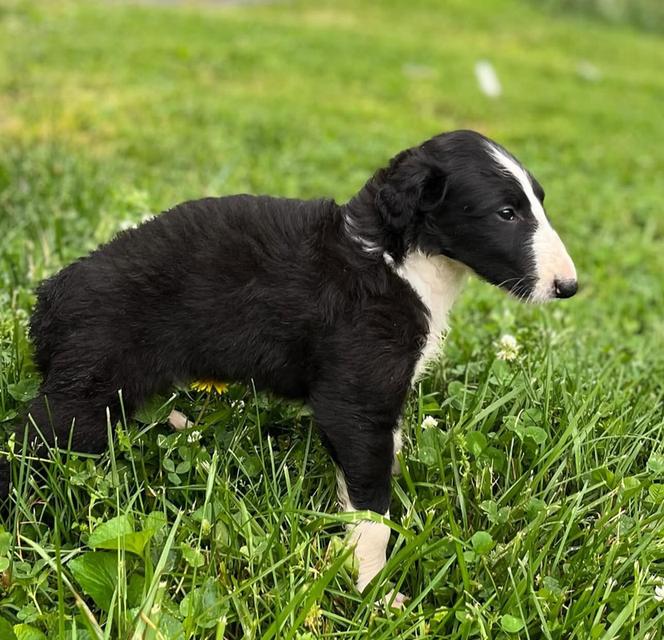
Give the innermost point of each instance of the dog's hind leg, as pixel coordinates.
(179, 421)
(64, 420)
(74, 415)
(68, 420)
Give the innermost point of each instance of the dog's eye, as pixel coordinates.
(507, 213)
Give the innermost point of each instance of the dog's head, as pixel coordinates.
(464, 196)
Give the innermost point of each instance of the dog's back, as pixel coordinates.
(232, 288)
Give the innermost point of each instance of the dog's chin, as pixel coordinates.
(535, 294)
(537, 299)
(525, 290)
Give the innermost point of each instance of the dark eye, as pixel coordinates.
(507, 213)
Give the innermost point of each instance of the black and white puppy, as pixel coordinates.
(339, 305)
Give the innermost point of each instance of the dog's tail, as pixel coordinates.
(47, 329)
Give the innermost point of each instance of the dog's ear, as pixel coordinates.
(410, 185)
(434, 189)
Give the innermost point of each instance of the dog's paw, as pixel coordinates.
(178, 420)
(395, 600)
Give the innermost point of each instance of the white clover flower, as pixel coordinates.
(508, 342)
(194, 436)
(509, 348)
(659, 593)
(428, 422)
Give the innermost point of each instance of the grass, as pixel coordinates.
(645, 14)
(535, 507)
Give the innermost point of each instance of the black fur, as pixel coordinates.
(301, 297)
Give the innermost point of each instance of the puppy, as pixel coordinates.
(341, 306)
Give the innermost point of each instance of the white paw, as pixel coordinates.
(395, 600)
(178, 420)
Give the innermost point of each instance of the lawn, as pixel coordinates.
(533, 508)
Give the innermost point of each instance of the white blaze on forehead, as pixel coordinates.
(552, 262)
(512, 167)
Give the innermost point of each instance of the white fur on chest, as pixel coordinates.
(437, 280)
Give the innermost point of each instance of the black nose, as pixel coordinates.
(565, 288)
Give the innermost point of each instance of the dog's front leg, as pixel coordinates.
(363, 483)
(363, 450)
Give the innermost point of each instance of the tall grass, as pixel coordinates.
(531, 500)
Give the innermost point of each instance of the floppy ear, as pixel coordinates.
(434, 189)
(410, 186)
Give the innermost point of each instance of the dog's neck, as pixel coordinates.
(364, 225)
(437, 280)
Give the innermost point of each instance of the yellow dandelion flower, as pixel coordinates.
(209, 386)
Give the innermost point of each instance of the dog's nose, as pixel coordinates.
(565, 288)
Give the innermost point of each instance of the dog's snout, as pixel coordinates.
(565, 288)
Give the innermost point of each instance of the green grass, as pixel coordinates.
(536, 504)
(644, 14)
